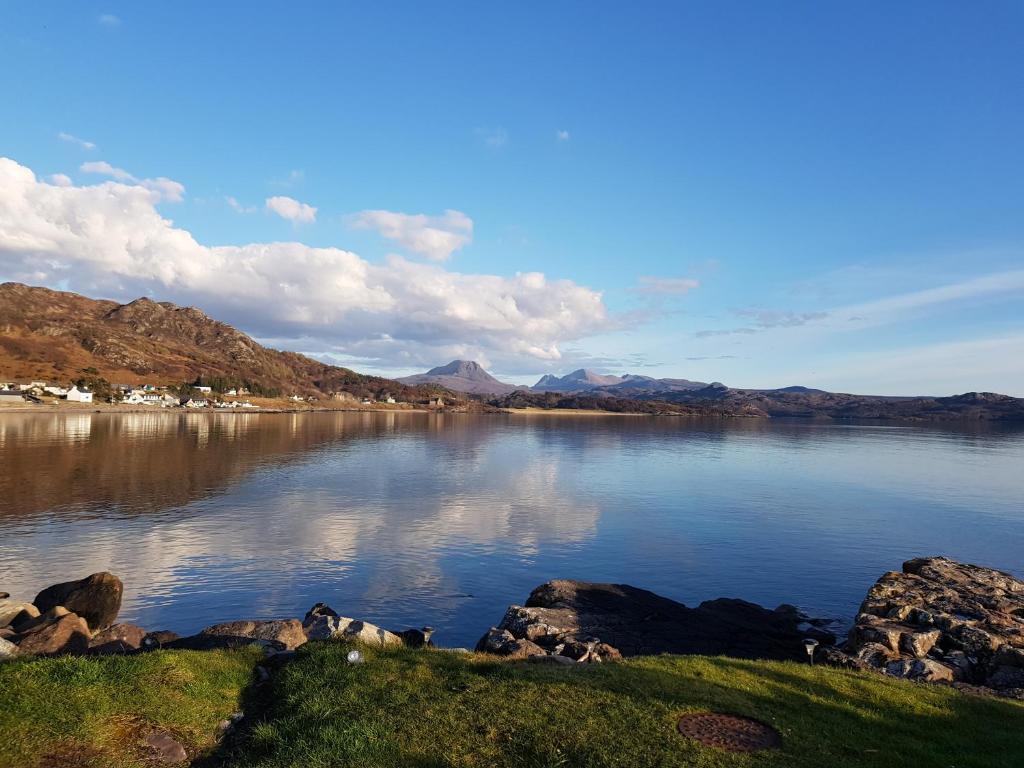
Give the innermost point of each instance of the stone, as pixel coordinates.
(1006, 676)
(320, 609)
(552, 658)
(7, 649)
(288, 632)
(7, 633)
(154, 640)
(119, 638)
(166, 749)
(955, 622)
(9, 609)
(501, 642)
(416, 638)
(67, 634)
(918, 644)
(29, 623)
(26, 615)
(214, 642)
(96, 598)
(325, 626)
(371, 634)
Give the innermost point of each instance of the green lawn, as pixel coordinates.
(428, 709)
(95, 712)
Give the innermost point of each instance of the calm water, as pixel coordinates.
(410, 519)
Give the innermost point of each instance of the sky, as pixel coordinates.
(759, 194)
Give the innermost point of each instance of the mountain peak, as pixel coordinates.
(462, 376)
(469, 368)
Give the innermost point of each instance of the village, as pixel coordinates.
(191, 396)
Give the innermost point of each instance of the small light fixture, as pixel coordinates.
(809, 645)
(354, 657)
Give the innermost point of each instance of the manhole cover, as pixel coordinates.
(729, 732)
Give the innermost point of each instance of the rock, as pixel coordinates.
(553, 658)
(7, 649)
(155, 640)
(941, 620)
(288, 632)
(67, 634)
(120, 638)
(26, 615)
(320, 609)
(96, 598)
(416, 638)
(30, 623)
(166, 749)
(634, 622)
(327, 627)
(214, 642)
(9, 609)
(7, 633)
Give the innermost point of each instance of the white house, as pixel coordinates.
(76, 395)
(194, 402)
(204, 390)
(55, 390)
(135, 397)
(11, 396)
(231, 392)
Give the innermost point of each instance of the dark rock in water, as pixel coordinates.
(66, 633)
(166, 749)
(120, 638)
(96, 598)
(287, 632)
(942, 621)
(320, 609)
(620, 619)
(416, 638)
(154, 640)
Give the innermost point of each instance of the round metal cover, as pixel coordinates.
(729, 732)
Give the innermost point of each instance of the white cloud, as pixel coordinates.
(164, 188)
(61, 180)
(110, 240)
(291, 209)
(435, 237)
(562, 135)
(87, 145)
(237, 206)
(667, 286)
(109, 20)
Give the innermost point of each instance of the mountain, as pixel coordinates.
(462, 376)
(577, 381)
(61, 337)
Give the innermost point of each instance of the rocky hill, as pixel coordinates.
(462, 376)
(60, 336)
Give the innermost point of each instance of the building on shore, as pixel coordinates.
(11, 396)
(76, 395)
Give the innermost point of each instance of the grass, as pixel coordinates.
(433, 709)
(427, 709)
(97, 711)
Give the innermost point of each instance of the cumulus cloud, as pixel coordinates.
(61, 180)
(435, 237)
(87, 145)
(110, 240)
(164, 188)
(291, 209)
(666, 286)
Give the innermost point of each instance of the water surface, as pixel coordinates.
(412, 519)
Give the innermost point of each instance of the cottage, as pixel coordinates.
(389, 399)
(194, 402)
(55, 390)
(204, 390)
(135, 397)
(231, 392)
(436, 402)
(76, 395)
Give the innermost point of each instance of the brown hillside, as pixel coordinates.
(59, 336)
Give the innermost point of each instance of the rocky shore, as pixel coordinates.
(936, 621)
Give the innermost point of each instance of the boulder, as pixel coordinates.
(416, 638)
(320, 609)
(327, 627)
(9, 609)
(26, 615)
(165, 749)
(154, 640)
(501, 642)
(215, 642)
(288, 632)
(7, 649)
(939, 620)
(28, 623)
(96, 598)
(630, 622)
(120, 638)
(69, 633)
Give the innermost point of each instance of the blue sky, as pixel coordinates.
(758, 194)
